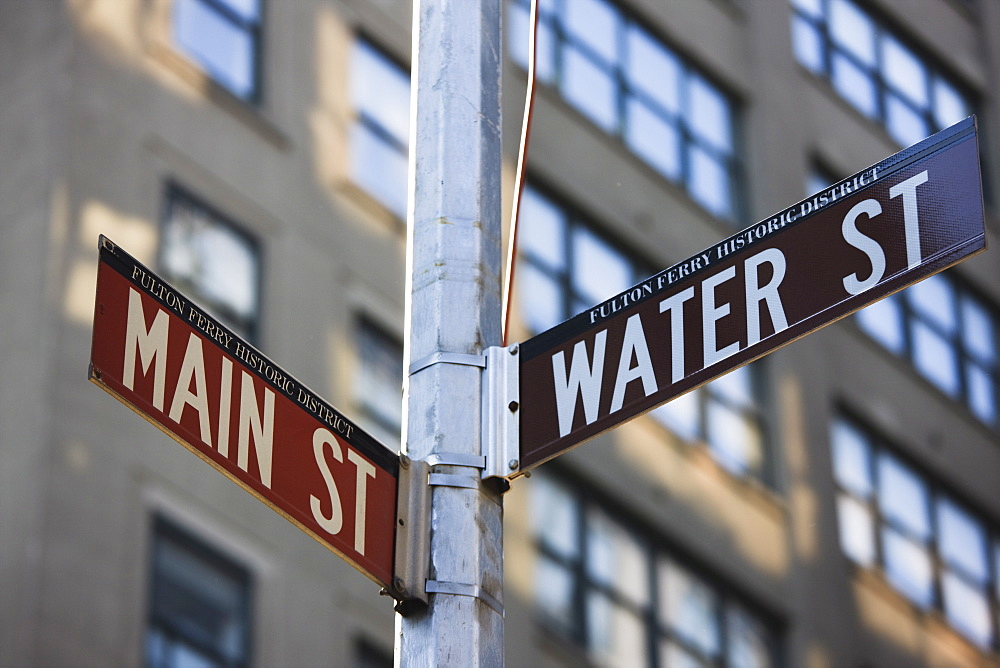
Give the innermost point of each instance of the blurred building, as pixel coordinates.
(835, 504)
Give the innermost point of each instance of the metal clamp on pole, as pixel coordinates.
(458, 589)
(440, 357)
(500, 410)
(413, 536)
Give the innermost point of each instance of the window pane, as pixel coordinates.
(595, 23)
(653, 139)
(590, 89)
(736, 387)
(542, 229)
(555, 517)
(977, 331)
(903, 496)
(680, 415)
(855, 85)
(379, 167)
(807, 44)
(379, 382)
(934, 299)
(813, 8)
(851, 459)
(982, 392)
(903, 122)
(935, 357)
(599, 271)
(857, 530)
(689, 607)
(207, 256)
(653, 69)
(554, 591)
(734, 439)
(949, 105)
(709, 183)
(904, 71)
(709, 114)
(967, 609)
(247, 9)
(615, 558)
(883, 321)
(962, 541)
(908, 567)
(222, 48)
(673, 655)
(199, 604)
(380, 90)
(853, 30)
(748, 646)
(615, 635)
(540, 298)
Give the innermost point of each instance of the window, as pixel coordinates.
(379, 383)
(565, 267)
(199, 612)
(626, 600)
(206, 256)
(931, 548)
(948, 334)
(874, 70)
(380, 91)
(631, 85)
(223, 36)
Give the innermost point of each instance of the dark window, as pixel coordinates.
(877, 72)
(379, 383)
(223, 36)
(633, 86)
(369, 655)
(199, 613)
(565, 267)
(210, 259)
(932, 548)
(628, 601)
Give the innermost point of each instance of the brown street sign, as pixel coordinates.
(887, 227)
(216, 395)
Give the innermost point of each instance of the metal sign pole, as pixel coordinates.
(453, 314)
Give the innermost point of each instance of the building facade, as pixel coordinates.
(833, 504)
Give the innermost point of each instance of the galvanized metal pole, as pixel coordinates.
(453, 314)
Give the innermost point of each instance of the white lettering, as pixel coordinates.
(152, 345)
(674, 305)
(635, 341)
(584, 379)
(767, 293)
(711, 313)
(911, 222)
(262, 428)
(192, 368)
(335, 522)
(871, 208)
(365, 470)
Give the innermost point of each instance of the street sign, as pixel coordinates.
(216, 395)
(887, 227)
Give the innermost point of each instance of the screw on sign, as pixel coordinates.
(215, 394)
(887, 227)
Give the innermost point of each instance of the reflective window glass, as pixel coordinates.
(962, 541)
(904, 71)
(224, 38)
(378, 384)
(903, 496)
(852, 30)
(595, 23)
(908, 567)
(590, 89)
(857, 530)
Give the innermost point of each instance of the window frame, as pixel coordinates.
(624, 92)
(175, 191)
(936, 495)
(163, 528)
(365, 325)
(657, 553)
(876, 72)
(910, 318)
(255, 33)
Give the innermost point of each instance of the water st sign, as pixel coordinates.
(216, 395)
(887, 227)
